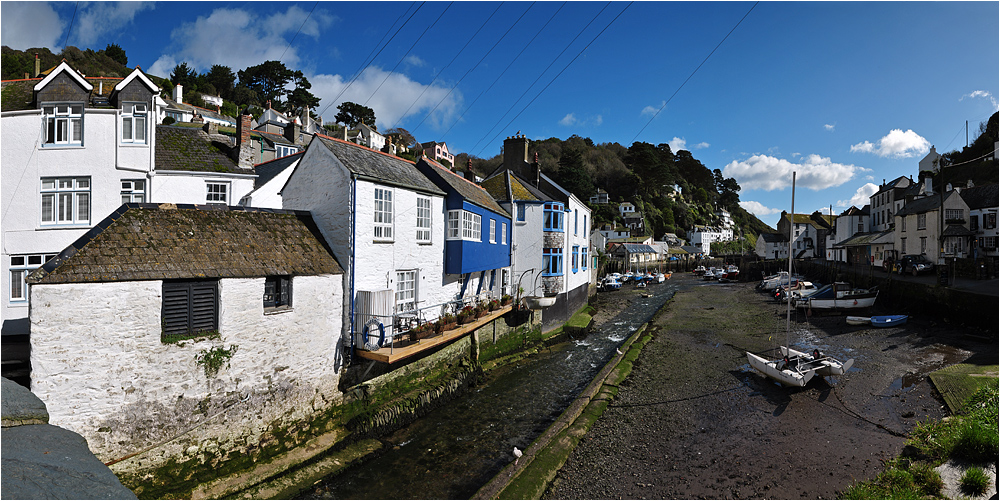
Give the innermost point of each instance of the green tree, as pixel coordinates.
(268, 80)
(183, 75)
(573, 176)
(244, 96)
(300, 97)
(352, 114)
(402, 136)
(116, 53)
(223, 78)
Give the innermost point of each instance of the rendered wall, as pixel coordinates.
(101, 369)
(188, 187)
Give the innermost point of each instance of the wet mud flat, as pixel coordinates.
(693, 421)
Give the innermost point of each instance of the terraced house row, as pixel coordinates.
(138, 255)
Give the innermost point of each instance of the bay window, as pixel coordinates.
(553, 217)
(552, 261)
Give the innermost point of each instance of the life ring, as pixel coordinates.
(381, 334)
(855, 302)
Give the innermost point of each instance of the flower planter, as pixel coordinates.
(538, 302)
(446, 327)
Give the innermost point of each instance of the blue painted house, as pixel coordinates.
(477, 229)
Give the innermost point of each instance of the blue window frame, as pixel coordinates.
(583, 259)
(576, 258)
(552, 260)
(520, 213)
(576, 220)
(553, 217)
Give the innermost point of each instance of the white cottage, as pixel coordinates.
(71, 154)
(172, 332)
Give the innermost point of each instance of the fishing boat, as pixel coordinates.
(699, 270)
(888, 320)
(660, 277)
(822, 364)
(781, 279)
(839, 296)
(859, 320)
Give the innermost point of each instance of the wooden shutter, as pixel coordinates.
(190, 307)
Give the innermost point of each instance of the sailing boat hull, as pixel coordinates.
(824, 366)
(786, 377)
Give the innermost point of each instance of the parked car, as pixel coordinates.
(915, 264)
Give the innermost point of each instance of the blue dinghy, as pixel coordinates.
(889, 320)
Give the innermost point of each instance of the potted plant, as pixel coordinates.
(506, 299)
(466, 314)
(424, 330)
(481, 309)
(494, 305)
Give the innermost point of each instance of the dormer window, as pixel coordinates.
(62, 124)
(134, 122)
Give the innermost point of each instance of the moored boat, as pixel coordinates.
(859, 320)
(783, 372)
(822, 364)
(888, 320)
(839, 296)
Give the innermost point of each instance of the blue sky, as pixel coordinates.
(844, 93)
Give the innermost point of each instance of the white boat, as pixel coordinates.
(779, 280)
(822, 364)
(839, 296)
(781, 372)
(700, 270)
(859, 320)
(660, 277)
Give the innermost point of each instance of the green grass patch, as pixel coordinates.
(960, 381)
(974, 482)
(901, 481)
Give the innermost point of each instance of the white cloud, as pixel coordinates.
(571, 120)
(239, 38)
(651, 110)
(104, 18)
(897, 144)
(398, 96)
(980, 93)
(27, 25)
(829, 126)
(414, 61)
(758, 209)
(861, 197)
(677, 144)
(568, 120)
(763, 172)
(701, 145)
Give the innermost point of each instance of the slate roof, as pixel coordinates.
(377, 166)
(878, 237)
(892, 184)
(267, 170)
(506, 186)
(920, 205)
(190, 149)
(773, 238)
(957, 230)
(448, 180)
(157, 242)
(199, 110)
(981, 197)
(639, 248)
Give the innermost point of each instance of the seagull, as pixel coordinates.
(517, 454)
(619, 351)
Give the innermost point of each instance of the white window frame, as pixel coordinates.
(454, 225)
(217, 195)
(493, 231)
(382, 214)
(954, 214)
(62, 124)
(281, 150)
(423, 220)
(503, 233)
(472, 226)
(133, 191)
(406, 290)
(921, 221)
(135, 122)
(21, 266)
(65, 201)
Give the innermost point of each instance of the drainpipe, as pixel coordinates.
(354, 201)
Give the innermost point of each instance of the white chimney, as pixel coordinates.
(179, 93)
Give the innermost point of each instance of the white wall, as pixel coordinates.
(25, 162)
(267, 195)
(579, 236)
(527, 250)
(189, 187)
(102, 371)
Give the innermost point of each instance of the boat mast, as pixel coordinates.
(791, 231)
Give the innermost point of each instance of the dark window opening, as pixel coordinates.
(190, 309)
(277, 292)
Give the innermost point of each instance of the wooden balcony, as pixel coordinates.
(404, 349)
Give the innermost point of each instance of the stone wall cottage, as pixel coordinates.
(72, 149)
(184, 333)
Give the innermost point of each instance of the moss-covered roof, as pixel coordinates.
(190, 149)
(157, 242)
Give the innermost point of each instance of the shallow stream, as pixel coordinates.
(454, 450)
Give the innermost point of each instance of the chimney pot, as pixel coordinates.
(38, 66)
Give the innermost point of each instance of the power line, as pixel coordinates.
(415, 42)
(470, 70)
(297, 32)
(693, 72)
(540, 75)
(446, 67)
(566, 67)
(71, 21)
(358, 74)
(502, 73)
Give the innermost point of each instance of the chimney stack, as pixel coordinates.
(179, 93)
(515, 153)
(210, 128)
(243, 151)
(38, 66)
(293, 130)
